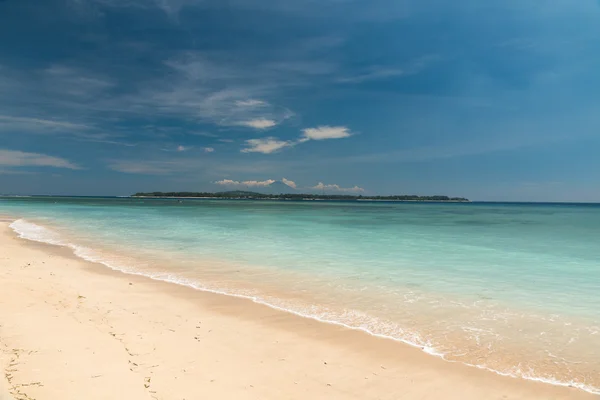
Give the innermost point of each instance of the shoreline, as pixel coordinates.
(360, 349)
(287, 199)
(472, 357)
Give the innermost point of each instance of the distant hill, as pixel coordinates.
(241, 194)
(277, 187)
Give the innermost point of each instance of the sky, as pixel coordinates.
(489, 100)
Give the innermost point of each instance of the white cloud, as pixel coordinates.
(226, 140)
(266, 145)
(271, 144)
(15, 158)
(325, 132)
(378, 72)
(182, 148)
(250, 103)
(337, 188)
(288, 182)
(229, 182)
(258, 123)
(209, 150)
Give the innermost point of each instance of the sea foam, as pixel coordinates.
(35, 232)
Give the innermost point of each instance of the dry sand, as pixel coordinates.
(70, 329)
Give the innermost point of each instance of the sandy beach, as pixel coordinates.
(71, 329)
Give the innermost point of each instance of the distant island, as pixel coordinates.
(239, 195)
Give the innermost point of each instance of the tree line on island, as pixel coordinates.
(237, 194)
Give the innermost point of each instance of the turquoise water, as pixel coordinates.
(514, 288)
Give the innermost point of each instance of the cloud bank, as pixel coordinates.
(337, 188)
(229, 182)
(320, 187)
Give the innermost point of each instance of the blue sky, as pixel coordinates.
(494, 100)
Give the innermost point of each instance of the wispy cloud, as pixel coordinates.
(112, 142)
(201, 133)
(76, 130)
(197, 87)
(75, 82)
(122, 3)
(188, 165)
(170, 7)
(215, 91)
(6, 171)
(250, 103)
(16, 158)
(186, 97)
(37, 124)
(266, 145)
(145, 167)
(303, 68)
(209, 150)
(379, 72)
(178, 149)
(56, 87)
(375, 73)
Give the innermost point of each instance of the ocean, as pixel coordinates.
(513, 288)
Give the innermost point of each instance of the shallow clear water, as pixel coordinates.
(510, 287)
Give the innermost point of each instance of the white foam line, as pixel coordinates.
(79, 251)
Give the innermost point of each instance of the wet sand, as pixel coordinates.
(71, 329)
